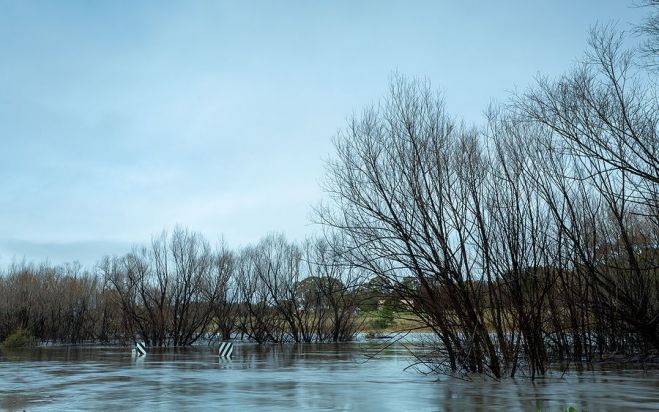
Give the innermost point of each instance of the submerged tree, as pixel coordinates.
(169, 292)
(405, 191)
(600, 162)
(293, 293)
(532, 239)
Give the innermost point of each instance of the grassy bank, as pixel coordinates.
(385, 321)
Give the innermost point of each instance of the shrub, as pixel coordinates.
(385, 318)
(20, 338)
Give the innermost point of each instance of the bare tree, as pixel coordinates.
(330, 290)
(649, 29)
(604, 112)
(600, 153)
(169, 292)
(406, 192)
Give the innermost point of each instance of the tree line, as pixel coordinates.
(179, 290)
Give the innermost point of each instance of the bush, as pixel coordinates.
(384, 319)
(20, 338)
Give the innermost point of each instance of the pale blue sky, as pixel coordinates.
(121, 118)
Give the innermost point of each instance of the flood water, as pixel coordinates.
(291, 377)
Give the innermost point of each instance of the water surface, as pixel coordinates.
(291, 377)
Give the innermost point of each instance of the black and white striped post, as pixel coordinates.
(226, 349)
(139, 350)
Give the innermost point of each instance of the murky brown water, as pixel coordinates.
(290, 377)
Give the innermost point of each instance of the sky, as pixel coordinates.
(121, 119)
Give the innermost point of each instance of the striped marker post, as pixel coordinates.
(226, 349)
(139, 350)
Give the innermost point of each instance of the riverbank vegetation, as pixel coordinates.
(179, 290)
